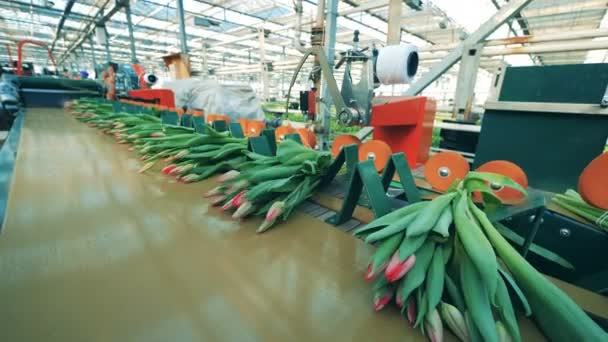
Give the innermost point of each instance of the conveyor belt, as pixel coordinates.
(93, 251)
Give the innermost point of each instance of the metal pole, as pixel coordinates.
(393, 36)
(107, 46)
(93, 57)
(204, 65)
(264, 72)
(131, 36)
(181, 22)
(331, 20)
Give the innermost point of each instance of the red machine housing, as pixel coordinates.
(405, 124)
(165, 97)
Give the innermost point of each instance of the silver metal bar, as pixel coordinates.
(263, 71)
(393, 36)
(131, 36)
(93, 57)
(331, 23)
(548, 107)
(181, 22)
(499, 18)
(467, 77)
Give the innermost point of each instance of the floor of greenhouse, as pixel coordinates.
(91, 250)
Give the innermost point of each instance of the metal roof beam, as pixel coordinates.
(498, 19)
(66, 13)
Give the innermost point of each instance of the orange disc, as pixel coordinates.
(377, 151)
(281, 131)
(593, 182)
(343, 140)
(511, 170)
(308, 137)
(255, 127)
(442, 169)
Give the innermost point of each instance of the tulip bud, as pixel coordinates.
(454, 320)
(411, 310)
(228, 176)
(157, 134)
(181, 154)
(503, 335)
(217, 200)
(239, 198)
(243, 210)
(433, 326)
(271, 216)
(213, 192)
(382, 297)
(167, 169)
(372, 273)
(146, 167)
(395, 270)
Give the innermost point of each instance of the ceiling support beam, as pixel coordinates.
(66, 13)
(498, 19)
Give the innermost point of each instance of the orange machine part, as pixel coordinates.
(511, 170)
(405, 124)
(593, 182)
(217, 117)
(255, 127)
(442, 169)
(281, 131)
(308, 137)
(376, 150)
(343, 140)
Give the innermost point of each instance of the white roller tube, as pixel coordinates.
(397, 64)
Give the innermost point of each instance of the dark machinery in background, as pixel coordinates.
(122, 78)
(552, 129)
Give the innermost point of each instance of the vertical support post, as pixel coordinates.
(131, 36)
(107, 47)
(282, 78)
(93, 57)
(181, 23)
(264, 72)
(394, 22)
(467, 77)
(204, 64)
(331, 21)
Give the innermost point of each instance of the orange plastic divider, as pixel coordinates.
(511, 170)
(593, 182)
(343, 140)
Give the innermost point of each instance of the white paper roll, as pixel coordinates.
(397, 64)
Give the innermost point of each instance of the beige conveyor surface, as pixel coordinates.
(93, 251)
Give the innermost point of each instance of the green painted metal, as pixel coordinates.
(398, 164)
(186, 120)
(199, 124)
(552, 148)
(236, 130)
(294, 137)
(348, 155)
(220, 125)
(269, 134)
(365, 176)
(570, 83)
(260, 145)
(169, 117)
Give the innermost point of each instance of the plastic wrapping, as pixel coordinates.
(236, 101)
(397, 64)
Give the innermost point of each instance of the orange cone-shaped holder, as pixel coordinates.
(282, 131)
(511, 170)
(254, 128)
(442, 169)
(308, 137)
(343, 140)
(376, 150)
(593, 182)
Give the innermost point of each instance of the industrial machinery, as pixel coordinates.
(400, 124)
(122, 78)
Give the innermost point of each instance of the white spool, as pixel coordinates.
(397, 64)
